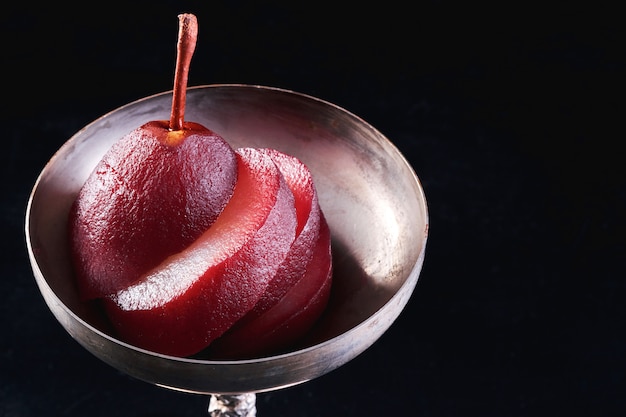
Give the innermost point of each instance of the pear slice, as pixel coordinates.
(299, 291)
(289, 319)
(300, 181)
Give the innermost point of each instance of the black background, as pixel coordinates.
(511, 116)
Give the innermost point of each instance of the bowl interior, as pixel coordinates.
(371, 197)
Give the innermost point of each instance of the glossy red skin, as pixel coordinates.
(299, 291)
(151, 196)
(227, 289)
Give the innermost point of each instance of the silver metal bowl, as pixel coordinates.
(372, 199)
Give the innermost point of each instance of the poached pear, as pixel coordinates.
(186, 241)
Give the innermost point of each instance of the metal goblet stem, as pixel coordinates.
(237, 405)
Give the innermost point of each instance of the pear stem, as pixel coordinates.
(187, 37)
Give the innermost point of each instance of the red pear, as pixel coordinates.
(191, 298)
(189, 243)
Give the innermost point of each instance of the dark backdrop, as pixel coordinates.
(512, 118)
